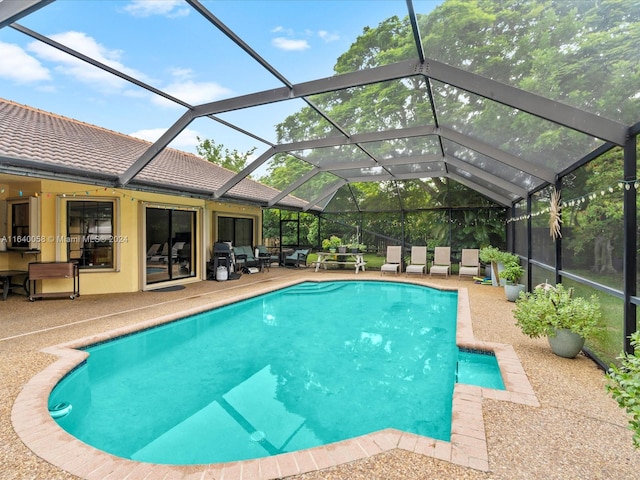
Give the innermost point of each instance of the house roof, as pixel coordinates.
(53, 146)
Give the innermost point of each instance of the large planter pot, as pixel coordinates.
(513, 291)
(566, 343)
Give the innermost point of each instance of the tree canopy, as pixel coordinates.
(218, 154)
(542, 46)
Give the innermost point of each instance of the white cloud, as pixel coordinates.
(289, 44)
(186, 140)
(328, 37)
(147, 8)
(285, 31)
(81, 71)
(183, 73)
(19, 66)
(193, 93)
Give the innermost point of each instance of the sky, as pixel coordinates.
(170, 46)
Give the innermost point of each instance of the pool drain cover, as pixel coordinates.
(258, 436)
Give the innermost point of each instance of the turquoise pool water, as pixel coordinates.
(308, 365)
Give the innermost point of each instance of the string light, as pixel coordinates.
(576, 202)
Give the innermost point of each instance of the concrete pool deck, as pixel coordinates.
(554, 421)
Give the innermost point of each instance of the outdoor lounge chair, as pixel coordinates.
(393, 262)
(297, 258)
(441, 261)
(469, 263)
(418, 262)
(161, 255)
(154, 250)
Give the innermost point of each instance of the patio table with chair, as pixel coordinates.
(6, 278)
(329, 258)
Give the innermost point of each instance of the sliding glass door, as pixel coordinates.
(170, 244)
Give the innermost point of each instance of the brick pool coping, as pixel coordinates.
(468, 446)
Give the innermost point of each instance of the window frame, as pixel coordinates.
(101, 244)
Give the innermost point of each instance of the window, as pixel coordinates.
(24, 217)
(20, 225)
(90, 233)
(239, 231)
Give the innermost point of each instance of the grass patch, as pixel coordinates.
(608, 347)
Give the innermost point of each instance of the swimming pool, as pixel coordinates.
(349, 358)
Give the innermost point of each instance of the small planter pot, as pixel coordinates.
(513, 291)
(566, 343)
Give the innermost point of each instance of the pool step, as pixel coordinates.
(246, 422)
(313, 287)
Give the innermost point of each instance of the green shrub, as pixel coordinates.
(512, 272)
(541, 312)
(624, 386)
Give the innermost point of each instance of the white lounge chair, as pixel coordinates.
(393, 261)
(418, 261)
(154, 250)
(469, 263)
(441, 261)
(161, 256)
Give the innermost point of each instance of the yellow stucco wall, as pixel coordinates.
(129, 229)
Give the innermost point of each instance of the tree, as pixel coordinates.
(576, 52)
(216, 153)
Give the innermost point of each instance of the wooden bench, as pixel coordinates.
(53, 270)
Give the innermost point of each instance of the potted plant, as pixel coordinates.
(332, 243)
(511, 274)
(355, 246)
(555, 313)
(497, 259)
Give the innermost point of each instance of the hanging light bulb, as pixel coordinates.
(627, 186)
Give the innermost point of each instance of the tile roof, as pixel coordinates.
(51, 141)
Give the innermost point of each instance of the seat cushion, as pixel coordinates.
(439, 269)
(468, 271)
(390, 267)
(415, 269)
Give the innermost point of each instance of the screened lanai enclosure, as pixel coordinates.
(457, 122)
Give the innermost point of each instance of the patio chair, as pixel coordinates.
(161, 256)
(418, 263)
(153, 250)
(264, 253)
(441, 261)
(393, 262)
(469, 263)
(175, 249)
(244, 257)
(297, 258)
